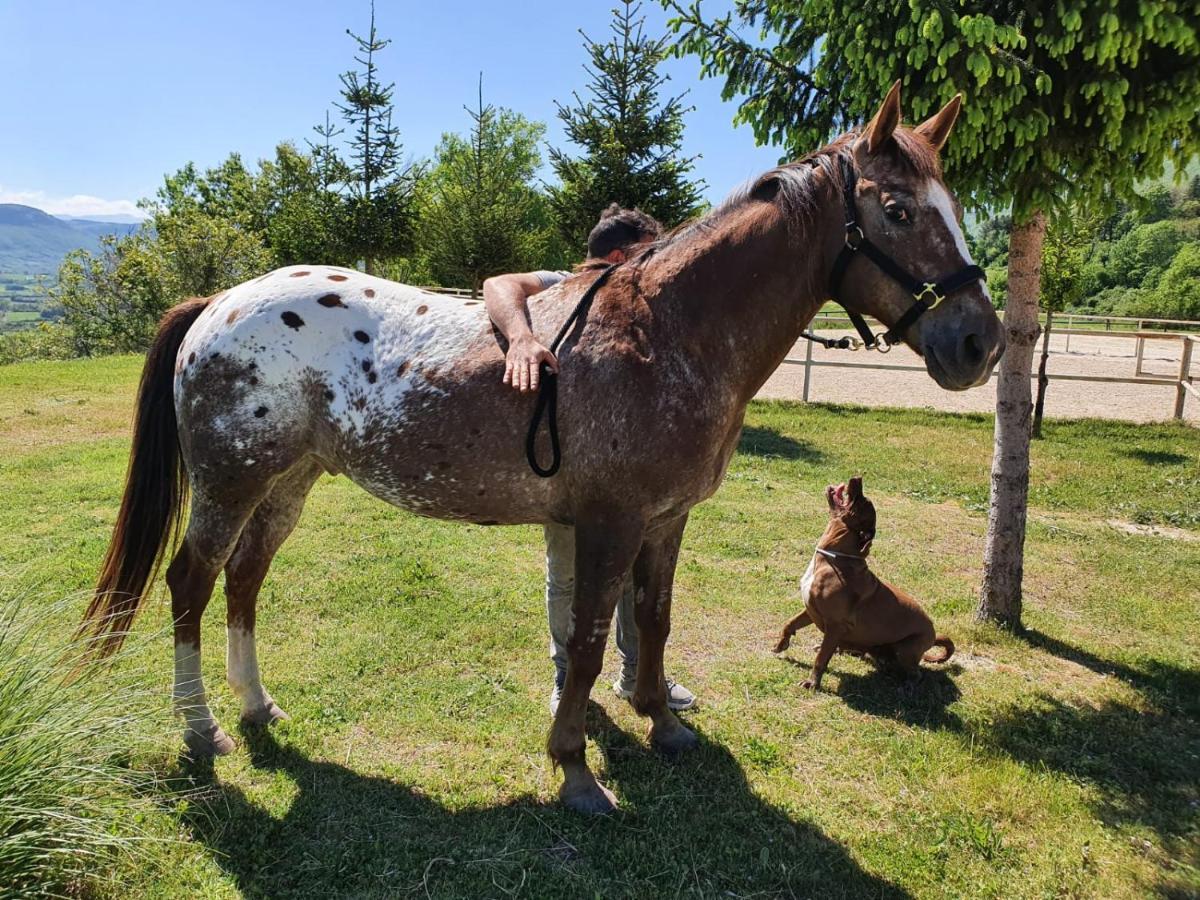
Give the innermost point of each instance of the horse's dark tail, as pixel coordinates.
(155, 492)
(947, 646)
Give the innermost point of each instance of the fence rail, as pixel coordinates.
(1181, 381)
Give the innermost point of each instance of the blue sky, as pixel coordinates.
(102, 99)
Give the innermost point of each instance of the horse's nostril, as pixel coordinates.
(972, 350)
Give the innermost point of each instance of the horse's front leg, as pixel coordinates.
(653, 580)
(606, 543)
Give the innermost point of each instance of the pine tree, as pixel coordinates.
(481, 214)
(380, 188)
(1066, 104)
(630, 140)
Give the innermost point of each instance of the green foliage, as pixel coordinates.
(1067, 104)
(46, 341)
(631, 141)
(481, 214)
(66, 813)
(112, 300)
(1115, 265)
(380, 200)
(1065, 252)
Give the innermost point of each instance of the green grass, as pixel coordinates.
(411, 655)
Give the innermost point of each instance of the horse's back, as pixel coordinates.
(309, 342)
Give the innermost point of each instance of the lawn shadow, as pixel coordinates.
(884, 692)
(695, 823)
(1140, 758)
(1156, 457)
(772, 444)
(1172, 687)
(1141, 763)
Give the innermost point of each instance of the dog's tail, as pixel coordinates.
(947, 646)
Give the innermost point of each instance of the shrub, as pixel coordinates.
(68, 814)
(47, 341)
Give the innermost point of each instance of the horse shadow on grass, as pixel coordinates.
(694, 826)
(772, 444)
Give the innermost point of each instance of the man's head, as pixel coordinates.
(619, 231)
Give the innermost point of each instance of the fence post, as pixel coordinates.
(1185, 370)
(1070, 325)
(1141, 350)
(807, 368)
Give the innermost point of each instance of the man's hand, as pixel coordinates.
(523, 363)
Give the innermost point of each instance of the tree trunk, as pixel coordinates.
(1003, 558)
(1040, 406)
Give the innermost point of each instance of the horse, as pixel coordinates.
(248, 396)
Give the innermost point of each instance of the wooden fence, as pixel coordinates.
(1182, 381)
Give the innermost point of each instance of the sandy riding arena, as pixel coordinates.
(1096, 355)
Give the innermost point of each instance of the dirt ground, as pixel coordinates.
(1087, 355)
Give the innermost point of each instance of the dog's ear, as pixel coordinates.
(854, 486)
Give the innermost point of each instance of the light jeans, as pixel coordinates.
(560, 594)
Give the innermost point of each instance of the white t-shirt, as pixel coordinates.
(550, 279)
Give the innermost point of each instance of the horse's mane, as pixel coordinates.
(798, 194)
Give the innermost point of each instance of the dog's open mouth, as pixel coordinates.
(838, 494)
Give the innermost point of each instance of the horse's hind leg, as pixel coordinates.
(605, 545)
(212, 532)
(273, 520)
(653, 578)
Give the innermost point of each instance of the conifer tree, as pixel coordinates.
(630, 139)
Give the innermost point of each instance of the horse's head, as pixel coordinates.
(908, 215)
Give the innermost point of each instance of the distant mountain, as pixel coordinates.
(114, 219)
(33, 242)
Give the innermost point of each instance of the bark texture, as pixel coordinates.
(1003, 560)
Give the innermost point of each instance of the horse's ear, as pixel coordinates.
(766, 188)
(936, 129)
(880, 129)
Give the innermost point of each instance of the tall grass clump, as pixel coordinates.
(70, 811)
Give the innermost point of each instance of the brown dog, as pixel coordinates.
(857, 612)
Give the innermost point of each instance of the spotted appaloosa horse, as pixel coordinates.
(246, 397)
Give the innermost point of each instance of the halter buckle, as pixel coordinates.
(854, 236)
(931, 290)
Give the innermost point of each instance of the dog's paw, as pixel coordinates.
(811, 685)
(782, 644)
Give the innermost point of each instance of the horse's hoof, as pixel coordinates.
(265, 715)
(592, 800)
(675, 742)
(207, 744)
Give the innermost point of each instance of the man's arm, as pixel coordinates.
(506, 298)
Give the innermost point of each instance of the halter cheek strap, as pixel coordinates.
(926, 294)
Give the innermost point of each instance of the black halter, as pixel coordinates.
(926, 294)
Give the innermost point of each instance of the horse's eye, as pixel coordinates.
(896, 213)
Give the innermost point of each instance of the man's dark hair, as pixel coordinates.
(619, 229)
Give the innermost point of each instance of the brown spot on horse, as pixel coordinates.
(369, 293)
(422, 309)
(331, 300)
(337, 277)
(291, 320)
(232, 317)
(300, 274)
